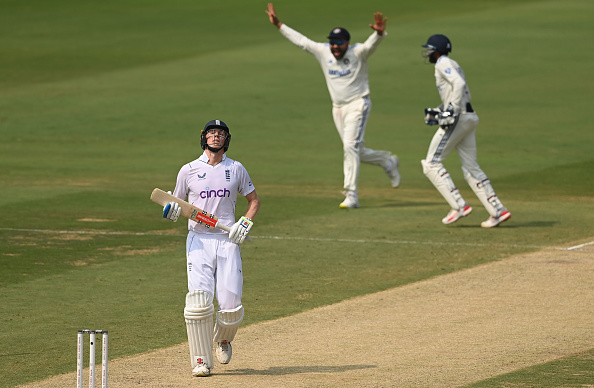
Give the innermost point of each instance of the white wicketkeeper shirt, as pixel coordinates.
(451, 84)
(213, 188)
(347, 78)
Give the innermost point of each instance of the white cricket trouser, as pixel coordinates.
(350, 121)
(463, 139)
(214, 263)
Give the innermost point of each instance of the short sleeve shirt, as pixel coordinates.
(213, 189)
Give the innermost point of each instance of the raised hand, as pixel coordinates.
(380, 23)
(272, 15)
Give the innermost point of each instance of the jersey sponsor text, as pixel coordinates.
(222, 193)
(339, 73)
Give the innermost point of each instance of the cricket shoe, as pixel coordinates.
(454, 215)
(495, 221)
(224, 351)
(393, 172)
(201, 370)
(350, 202)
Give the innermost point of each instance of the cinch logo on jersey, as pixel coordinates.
(208, 193)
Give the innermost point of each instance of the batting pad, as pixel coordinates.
(199, 314)
(442, 181)
(485, 193)
(228, 322)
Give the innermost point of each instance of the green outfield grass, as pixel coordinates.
(101, 103)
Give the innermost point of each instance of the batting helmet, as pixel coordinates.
(215, 124)
(439, 43)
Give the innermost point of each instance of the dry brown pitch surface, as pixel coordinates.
(443, 332)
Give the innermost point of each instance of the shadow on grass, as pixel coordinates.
(395, 204)
(512, 225)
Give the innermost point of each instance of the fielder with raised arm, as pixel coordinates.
(457, 122)
(212, 182)
(345, 68)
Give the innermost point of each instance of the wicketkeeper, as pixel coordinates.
(457, 122)
(212, 182)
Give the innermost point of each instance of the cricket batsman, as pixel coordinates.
(214, 267)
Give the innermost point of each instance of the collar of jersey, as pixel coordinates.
(204, 158)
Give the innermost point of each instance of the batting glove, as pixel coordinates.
(171, 211)
(240, 229)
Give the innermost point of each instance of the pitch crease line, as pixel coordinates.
(580, 246)
(417, 242)
(93, 232)
(98, 232)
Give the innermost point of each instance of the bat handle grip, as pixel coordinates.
(222, 227)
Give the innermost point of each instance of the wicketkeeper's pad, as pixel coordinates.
(485, 193)
(442, 181)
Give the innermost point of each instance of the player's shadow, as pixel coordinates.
(289, 370)
(395, 204)
(511, 224)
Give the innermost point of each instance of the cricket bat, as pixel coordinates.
(188, 210)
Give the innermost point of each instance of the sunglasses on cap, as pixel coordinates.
(337, 42)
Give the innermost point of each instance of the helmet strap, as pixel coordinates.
(212, 149)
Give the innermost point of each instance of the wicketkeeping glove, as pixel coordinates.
(171, 211)
(431, 116)
(447, 118)
(240, 229)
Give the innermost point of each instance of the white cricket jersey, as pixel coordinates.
(347, 78)
(451, 84)
(213, 188)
